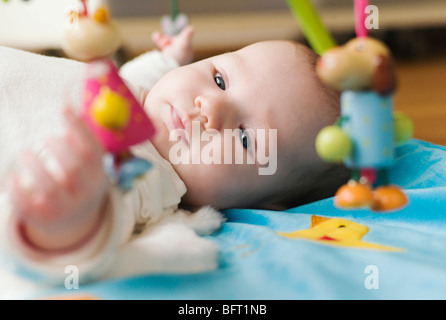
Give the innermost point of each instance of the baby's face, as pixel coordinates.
(234, 125)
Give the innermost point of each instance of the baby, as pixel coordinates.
(265, 101)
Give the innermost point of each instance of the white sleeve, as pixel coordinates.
(157, 193)
(146, 69)
(89, 260)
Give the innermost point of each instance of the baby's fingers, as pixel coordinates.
(63, 162)
(161, 40)
(81, 138)
(19, 196)
(29, 200)
(40, 179)
(186, 34)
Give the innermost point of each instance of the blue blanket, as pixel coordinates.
(397, 255)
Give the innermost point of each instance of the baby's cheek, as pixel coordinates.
(204, 183)
(200, 190)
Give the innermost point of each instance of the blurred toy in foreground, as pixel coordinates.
(366, 134)
(109, 108)
(175, 22)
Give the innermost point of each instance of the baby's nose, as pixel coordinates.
(213, 110)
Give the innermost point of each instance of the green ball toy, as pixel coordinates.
(332, 144)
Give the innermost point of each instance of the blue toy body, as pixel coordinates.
(367, 118)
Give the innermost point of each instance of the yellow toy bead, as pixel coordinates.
(110, 110)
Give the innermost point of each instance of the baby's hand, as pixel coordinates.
(178, 47)
(60, 205)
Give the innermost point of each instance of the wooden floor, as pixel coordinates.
(422, 96)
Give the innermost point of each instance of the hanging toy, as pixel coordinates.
(312, 27)
(109, 108)
(175, 22)
(365, 135)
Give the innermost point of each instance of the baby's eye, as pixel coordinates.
(244, 138)
(220, 81)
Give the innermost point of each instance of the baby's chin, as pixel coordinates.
(188, 201)
(196, 196)
(198, 199)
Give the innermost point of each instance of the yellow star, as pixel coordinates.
(337, 232)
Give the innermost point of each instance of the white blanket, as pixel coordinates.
(33, 91)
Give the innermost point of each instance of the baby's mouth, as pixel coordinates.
(176, 120)
(181, 124)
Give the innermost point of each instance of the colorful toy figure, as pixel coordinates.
(109, 108)
(366, 134)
